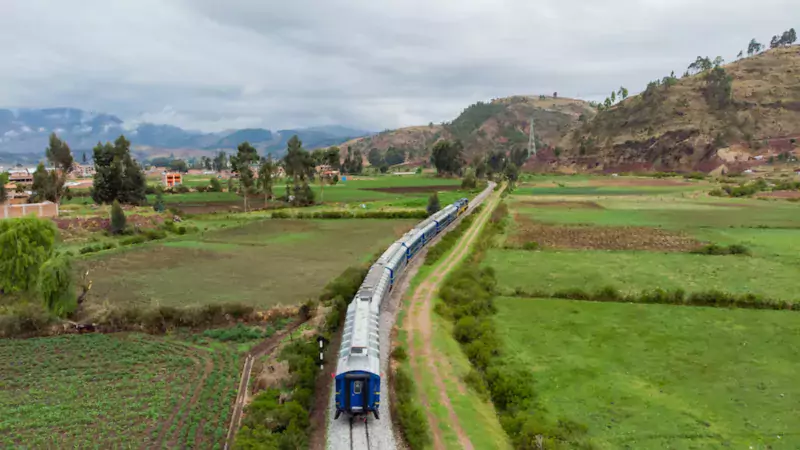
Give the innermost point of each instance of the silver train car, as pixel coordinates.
(357, 378)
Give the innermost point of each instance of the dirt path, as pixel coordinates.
(242, 395)
(419, 326)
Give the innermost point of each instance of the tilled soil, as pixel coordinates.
(601, 238)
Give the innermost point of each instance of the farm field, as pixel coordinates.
(661, 376)
(638, 242)
(261, 263)
(115, 391)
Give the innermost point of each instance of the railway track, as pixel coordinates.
(360, 434)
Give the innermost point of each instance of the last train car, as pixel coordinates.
(357, 378)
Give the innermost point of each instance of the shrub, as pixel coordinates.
(181, 189)
(530, 246)
(118, 219)
(714, 249)
(133, 240)
(413, 423)
(239, 333)
(280, 215)
(214, 185)
(433, 204)
(399, 354)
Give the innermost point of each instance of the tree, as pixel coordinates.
(118, 220)
(701, 64)
(519, 155)
(353, 162)
(45, 184)
(60, 157)
(55, 285)
(333, 157)
(788, 37)
(495, 162)
(433, 204)
(178, 165)
(719, 87)
(117, 175)
(607, 104)
(394, 156)
(775, 42)
(246, 154)
(374, 157)
(205, 161)
(511, 173)
(159, 206)
(718, 61)
(3, 193)
(613, 97)
(300, 167)
(555, 94)
(25, 244)
(469, 181)
(265, 178)
(214, 185)
(739, 55)
(447, 157)
(623, 93)
(220, 162)
(753, 47)
(84, 157)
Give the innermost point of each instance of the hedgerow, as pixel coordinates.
(468, 299)
(713, 298)
(409, 414)
(447, 241)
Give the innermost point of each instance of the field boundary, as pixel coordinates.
(419, 322)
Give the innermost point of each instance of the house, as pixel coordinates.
(82, 170)
(20, 176)
(326, 170)
(170, 179)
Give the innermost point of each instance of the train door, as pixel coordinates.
(358, 394)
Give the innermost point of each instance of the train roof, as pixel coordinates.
(360, 350)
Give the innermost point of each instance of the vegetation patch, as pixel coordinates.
(599, 238)
(115, 390)
(714, 249)
(408, 413)
(657, 376)
(449, 240)
(562, 204)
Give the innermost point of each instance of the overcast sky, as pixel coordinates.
(213, 64)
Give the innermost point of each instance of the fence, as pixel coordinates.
(46, 209)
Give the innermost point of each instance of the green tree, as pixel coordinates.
(353, 162)
(55, 285)
(246, 155)
(394, 156)
(159, 206)
(753, 47)
(3, 193)
(178, 165)
(719, 88)
(118, 220)
(220, 161)
(447, 157)
(265, 178)
(469, 181)
(300, 167)
(511, 173)
(607, 103)
(433, 204)
(374, 157)
(623, 92)
(333, 157)
(84, 158)
(45, 184)
(214, 185)
(60, 157)
(613, 97)
(25, 244)
(519, 155)
(117, 175)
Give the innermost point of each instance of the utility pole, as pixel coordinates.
(531, 141)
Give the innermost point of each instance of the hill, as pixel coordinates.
(499, 124)
(24, 135)
(697, 122)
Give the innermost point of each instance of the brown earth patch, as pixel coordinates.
(562, 204)
(601, 238)
(780, 194)
(103, 223)
(415, 189)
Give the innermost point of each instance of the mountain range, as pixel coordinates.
(24, 135)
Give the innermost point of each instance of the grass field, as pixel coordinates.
(660, 376)
(115, 391)
(261, 263)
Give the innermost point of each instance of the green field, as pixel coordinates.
(553, 270)
(660, 376)
(115, 391)
(261, 263)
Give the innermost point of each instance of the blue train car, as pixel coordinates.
(357, 379)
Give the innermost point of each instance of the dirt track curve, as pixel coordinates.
(423, 355)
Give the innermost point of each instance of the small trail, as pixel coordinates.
(419, 326)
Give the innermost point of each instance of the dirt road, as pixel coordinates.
(423, 355)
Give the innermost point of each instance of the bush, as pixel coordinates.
(214, 185)
(133, 240)
(433, 204)
(413, 423)
(447, 242)
(714, 249)
(239, 333)
(399, 354)
(118, 220)
(280, 215)
(181, 189)
(531, 246)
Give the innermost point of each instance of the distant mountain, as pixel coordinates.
(24, 135)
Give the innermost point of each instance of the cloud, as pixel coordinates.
(211, 65)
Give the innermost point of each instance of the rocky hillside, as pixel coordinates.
(501, 123)
(697, 122)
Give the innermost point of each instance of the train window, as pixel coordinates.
(357, 387)
(358, 350)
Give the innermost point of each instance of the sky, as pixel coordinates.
(212, 65)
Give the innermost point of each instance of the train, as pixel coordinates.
(357, 378)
